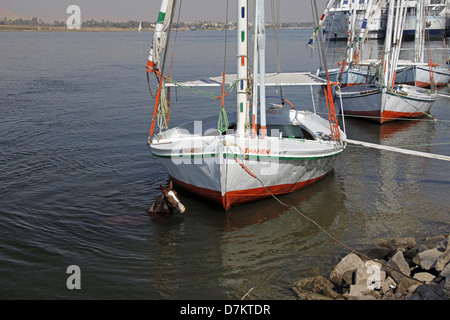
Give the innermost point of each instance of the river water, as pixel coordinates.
(77, 178)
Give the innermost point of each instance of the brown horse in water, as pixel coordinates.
(165, 203)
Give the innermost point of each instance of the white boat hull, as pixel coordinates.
(383, 105)
(419, 76)
(336, 24)
(225, 181)
(221, 168)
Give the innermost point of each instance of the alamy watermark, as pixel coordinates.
(202, 150)
(74, 280)
(74, 21)
(374, 280)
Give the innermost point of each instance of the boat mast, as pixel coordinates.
(420, 32)
(351, 29)
(321, 21)
(262, 65)
(255, 80)
(159, 37)
(363, 31)
(400, 16)
(387, 44)
(242, 65)
(259, 68)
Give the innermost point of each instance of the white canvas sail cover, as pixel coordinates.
(272, 79)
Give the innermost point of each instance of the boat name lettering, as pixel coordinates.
(192, 150)
(257, 151)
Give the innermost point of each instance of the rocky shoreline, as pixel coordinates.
(398, 269)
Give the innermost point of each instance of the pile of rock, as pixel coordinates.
(396, 269)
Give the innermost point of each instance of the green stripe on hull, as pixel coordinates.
(247, 157)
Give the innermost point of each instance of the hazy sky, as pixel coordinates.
(203, 10)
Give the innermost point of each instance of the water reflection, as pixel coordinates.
(248, 245)
(260, 239)
(392, 181)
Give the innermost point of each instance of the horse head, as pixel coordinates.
(171, 197)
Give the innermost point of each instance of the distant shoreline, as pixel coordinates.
(24, 28)
(63, 29)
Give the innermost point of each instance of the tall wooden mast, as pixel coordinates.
(242, 67)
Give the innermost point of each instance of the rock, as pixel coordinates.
(405, 284)
(447, 284)
(427, 259)
(303, 290)
(428, 292)
(430, 243)
(422, 248)
(424, 277)
(349, 262)
(388, 285)
(372, 270)
(412, 252)
(315, 288)
(347, 278)
(443, 260)
(404, 243)
(321, 285)
(398, 295)
(446, 271)
(376, 294)
(379, 252)
(356, 279)
(304, 284)
(388, 296)
(308, 295)
(372, 280)
(443, 245)
(329, 292)
(388, 244)
(357, 291)
(397, 267)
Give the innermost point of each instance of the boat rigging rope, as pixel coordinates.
(276, 23)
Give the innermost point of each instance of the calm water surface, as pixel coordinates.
(77, 178)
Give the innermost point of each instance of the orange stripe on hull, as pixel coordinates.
(427, 84)
(386, 116)
(209, 194)
(234, 198)
(392, 115)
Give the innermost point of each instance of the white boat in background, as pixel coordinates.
(338, 15)
(348, 73)
(385, 101)
(387, 104)
(423, 75)
(418, 72)
(336, 22)
(435, 13)
(140, 27)
(247, 157)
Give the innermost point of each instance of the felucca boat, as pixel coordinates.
(386, 100)
(242, 157)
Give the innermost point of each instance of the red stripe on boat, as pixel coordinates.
(234, 198)
(392, 115)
